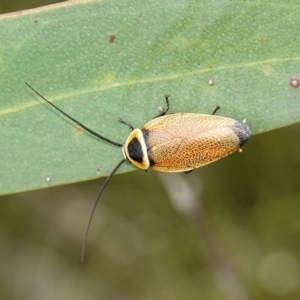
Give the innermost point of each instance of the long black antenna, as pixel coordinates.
(78, 123)
(95, 205)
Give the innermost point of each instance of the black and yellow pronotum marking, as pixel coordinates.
(177, 142)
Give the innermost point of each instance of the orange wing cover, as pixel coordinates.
(185, 141)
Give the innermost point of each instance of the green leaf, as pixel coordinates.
(249, 49)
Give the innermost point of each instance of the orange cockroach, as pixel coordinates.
(177, 142)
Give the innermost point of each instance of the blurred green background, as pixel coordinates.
(243, 244)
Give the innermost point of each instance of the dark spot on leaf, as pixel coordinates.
(111, 38)
(294, 82)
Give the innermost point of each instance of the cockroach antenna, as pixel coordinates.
(75, 121)
(106, 180)
(95, 205)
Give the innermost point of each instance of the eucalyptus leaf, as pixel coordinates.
(101, 61)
